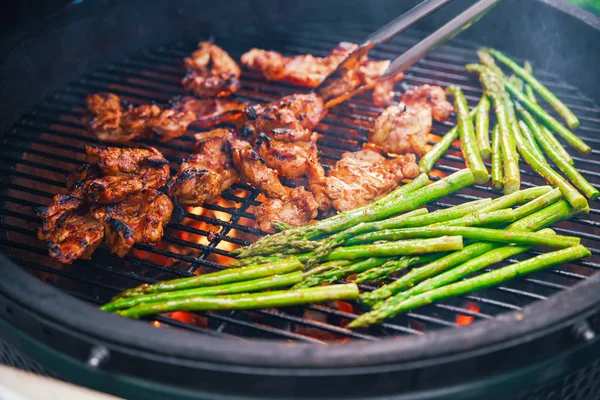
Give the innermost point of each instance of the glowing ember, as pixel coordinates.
(156, 324)
(462, 319)
(189, 318)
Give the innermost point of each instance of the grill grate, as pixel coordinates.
(49, 141)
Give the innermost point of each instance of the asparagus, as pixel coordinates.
(270, 282)
(571, 172)
(342, 272)
(482, 281)
(528, 136)
(244, 262)
(463, 270)
(218, 278)
(497, 164)
(446, 214)
(528, 89)
(516, 82)
(391, 249)
(538, 220)
(481, 234)
(468, 139)
(282, 298)
(283, 241)
(538, 131)
(512, 175)
(428, 160)
(543, 91)
(571, 194)
(325, 267)
(393, 266)
(482, 127)
(549, 120)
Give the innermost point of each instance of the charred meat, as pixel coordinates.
(404, 128)
(208, 112)
(289, 159)
(361, 177)
(297, 208)
(68, 229)
(211, 72)
(115, 121)
(139, 218)
(204, 175)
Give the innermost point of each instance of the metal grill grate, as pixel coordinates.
(49, 141)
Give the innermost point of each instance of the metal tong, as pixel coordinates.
(410, 57)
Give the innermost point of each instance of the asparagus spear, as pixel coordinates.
(512, 175)
(468, 139)
(342, 272)
(528, 89)
(405, 247)
(528, 136)
(244, 262)
(571, 172)
(479, 234)
(283, 241)
(482, 281)
(482, 127)
(549, 120)
(428, 160)
(463, 270)
(446, 214)
(571, 194)
(218, 278)
(270, 282)
(497, 164)
(538, 131)
(543, 91)
(282, 298)
(326, 267)
(393, 266)
(540, 219)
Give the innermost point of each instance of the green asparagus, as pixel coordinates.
(393, 266)
(528, 89)
(479, 282)
(282, 298)
(342, 272)
(468, 139)
(218, 278)
(270, 282)
(482, 127)
(533, 145)
(497, 163)
(571, 194)
(543, 91)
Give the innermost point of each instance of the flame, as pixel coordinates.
(156, 324)
(462, 319)
(189, 318)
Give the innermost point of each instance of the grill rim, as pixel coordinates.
(78, 318)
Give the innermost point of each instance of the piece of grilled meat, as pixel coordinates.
(115, 121)
(297, 208)
(209, 112)
(204, 175)
(289, 159)
(361, 177)
(139, 218)
(404, 128)
(254, 171)
(309, 71)
(290, 118)
(68, 229)
(317, 182)
(211, 72)
(124, 171)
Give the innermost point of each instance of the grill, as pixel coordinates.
(49, 140)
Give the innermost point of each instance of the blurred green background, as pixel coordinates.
(590, 5)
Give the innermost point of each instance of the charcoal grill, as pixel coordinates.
(523, 337)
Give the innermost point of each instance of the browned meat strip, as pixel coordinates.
(211, 72)
(209, 112)
(296, 209)
(204, 175)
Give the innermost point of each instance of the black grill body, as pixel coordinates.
(526, 332)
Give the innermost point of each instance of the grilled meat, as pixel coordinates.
(68, 229)
(139, 218)
(204, 175)
(289, 159)
(401, 129)
(291, 118)
(317, 182)
(297, 208)
(361, 177)
(125, 170)
(115, 121)
(208, 112)
(309, 71)
(211, 72)
(254, 171)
